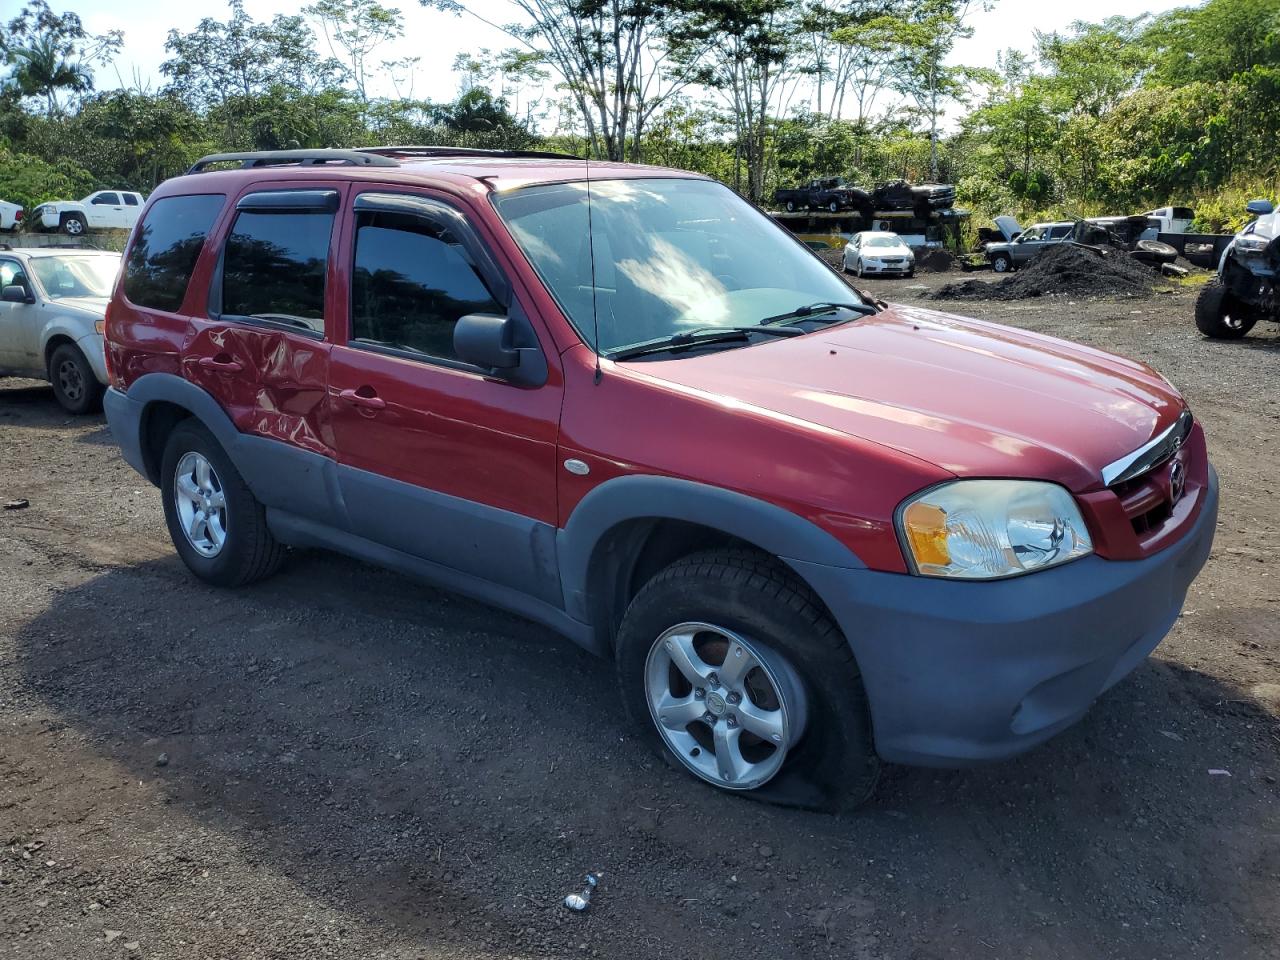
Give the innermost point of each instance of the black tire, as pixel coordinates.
(791, 206)
(1220, 316)
(834, 206)
(73, 225)
(1153, 252)
(910, 274)
(1002, 263)
(834, 766)
(250, 552)
(75, 386)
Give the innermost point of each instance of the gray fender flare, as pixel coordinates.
(768, 526)
(278, 473)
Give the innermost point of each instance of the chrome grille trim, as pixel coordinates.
(1150, 454)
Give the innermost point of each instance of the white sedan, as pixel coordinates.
(878, 253)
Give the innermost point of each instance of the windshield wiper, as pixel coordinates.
(822, 306)
(700, 336)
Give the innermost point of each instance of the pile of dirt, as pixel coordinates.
(1064, 270)
(935, 261)
(832, 256)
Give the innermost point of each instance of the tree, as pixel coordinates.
(48, 53)
(354, 29)
(746, 51)
(925, 37)
(242, 58)
(1215, 41)
(609, 54)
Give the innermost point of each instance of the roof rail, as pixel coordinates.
(427, 152)
(301, 158)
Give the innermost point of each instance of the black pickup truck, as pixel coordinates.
(831, 194)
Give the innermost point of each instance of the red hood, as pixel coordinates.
(974, 398)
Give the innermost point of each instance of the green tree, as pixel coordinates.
(354, 29)
(51, 53)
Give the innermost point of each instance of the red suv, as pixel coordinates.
(812, 529)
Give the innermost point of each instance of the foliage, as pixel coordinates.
(30, 181)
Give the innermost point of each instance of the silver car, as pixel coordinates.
(878, 253)
(52, 304)
(1027, 245)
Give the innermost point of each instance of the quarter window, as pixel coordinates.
(273, 267)
(413, 280)
(165, 249)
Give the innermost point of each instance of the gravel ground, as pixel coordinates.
(343, 763)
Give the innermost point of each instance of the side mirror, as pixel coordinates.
(16, 293)
(506, 346)
(1259, 208)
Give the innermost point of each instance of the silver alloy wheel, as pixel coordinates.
(74, 227)
(201, 503)
(729, 708)
(70, 380)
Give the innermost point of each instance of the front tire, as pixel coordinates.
(75, 386)
(731, 669)
(73, 225)
(217, 525)
(1220, 316)
(1002, 263)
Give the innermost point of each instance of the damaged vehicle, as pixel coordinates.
(1135, 235)
(1024, 245)
(831, 194)
(920, 197)
(1245, 289)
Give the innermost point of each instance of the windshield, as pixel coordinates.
(72, 276)
(883, 240)
(671, 255)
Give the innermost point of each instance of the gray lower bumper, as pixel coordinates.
(963, 672)
(124, 416)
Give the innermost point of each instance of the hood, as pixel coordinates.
(973, 398)
(1008, 226)
(94, 306)
(897, 250)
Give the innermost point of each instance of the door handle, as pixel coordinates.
(369, 399)
(221, 363)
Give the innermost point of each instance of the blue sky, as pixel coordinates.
(437, 38)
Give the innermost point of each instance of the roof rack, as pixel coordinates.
(427, 152)
(300, 158)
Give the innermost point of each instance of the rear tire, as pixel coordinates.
(1220, 316)
(243, 550)
(832, 765)
(75, 386)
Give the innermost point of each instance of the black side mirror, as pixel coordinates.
(506, 346)
(16, 293)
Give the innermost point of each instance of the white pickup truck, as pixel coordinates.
(103, 210)
(10, 216)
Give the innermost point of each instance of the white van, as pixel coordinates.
(1173, 219)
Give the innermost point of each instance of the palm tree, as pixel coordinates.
(41, 70)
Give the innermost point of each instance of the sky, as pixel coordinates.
(436, 37)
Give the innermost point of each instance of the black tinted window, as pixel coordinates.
(412, 282)
(274, 264)
(130, 200)
(1057, 233)
(110, 199)
(165, 249)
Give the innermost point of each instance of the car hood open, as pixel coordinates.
(973, 398)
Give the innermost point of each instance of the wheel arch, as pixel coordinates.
(627, 529)
(165, 401)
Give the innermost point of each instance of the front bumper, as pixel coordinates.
(958, 672)
(894, 268)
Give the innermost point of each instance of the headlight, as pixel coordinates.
(1252, 244)
(983, 529)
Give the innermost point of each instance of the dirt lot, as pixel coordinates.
(343, 763)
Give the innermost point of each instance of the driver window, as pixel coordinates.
(107, 199)
(413, 281)
(11, 274)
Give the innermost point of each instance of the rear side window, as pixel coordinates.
(165, 249)
(274, 264)
(1183, 213)
(413, 280)
(1058, 233)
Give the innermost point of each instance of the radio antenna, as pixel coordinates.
(591, 252)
